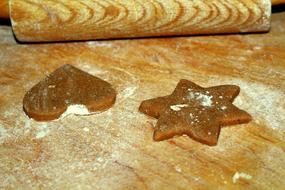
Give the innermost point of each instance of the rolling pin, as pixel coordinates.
(66, 20)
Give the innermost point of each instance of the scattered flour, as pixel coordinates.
(40, 134)
(86, 129)
(93, 44)
(126, 93)
(75, 109)
(3, 133)
(178, 169)
(206, 100)
(194, 118)
(178, 107)
(7, 114)
(93, 70)
(239, 175)
(27, 123)
(262, 102)
(42, 131)
(100, 159)
(258, 47)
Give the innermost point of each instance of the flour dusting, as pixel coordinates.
(93, 44)
(27, 123)
(41, 134)
(3, 134)
(178, 169)
(178, 107)
(240, 175)
(205, 99)
(42, 131)
(127, 92)
(91, 69)
(263, 103)
(86, 129)
(75, 109)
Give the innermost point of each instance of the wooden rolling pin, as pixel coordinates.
(64, 20)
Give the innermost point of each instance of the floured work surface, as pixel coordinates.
(114, 149)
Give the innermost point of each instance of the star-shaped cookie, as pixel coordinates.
(195, 111)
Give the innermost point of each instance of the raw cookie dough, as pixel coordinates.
(195, 111)
(67, 86)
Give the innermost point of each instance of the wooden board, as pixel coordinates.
(114, 149)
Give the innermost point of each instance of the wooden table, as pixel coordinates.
(114, 149)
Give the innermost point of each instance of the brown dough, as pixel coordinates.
(67, 86)
(195, 111)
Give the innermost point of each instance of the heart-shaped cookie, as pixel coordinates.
(67, 86)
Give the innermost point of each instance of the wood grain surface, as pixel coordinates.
(4, 8)
(64, 20)
(114, 149)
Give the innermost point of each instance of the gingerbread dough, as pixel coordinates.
(195, 111)
(67, 86)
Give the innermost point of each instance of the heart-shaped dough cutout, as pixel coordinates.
(67, 86)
